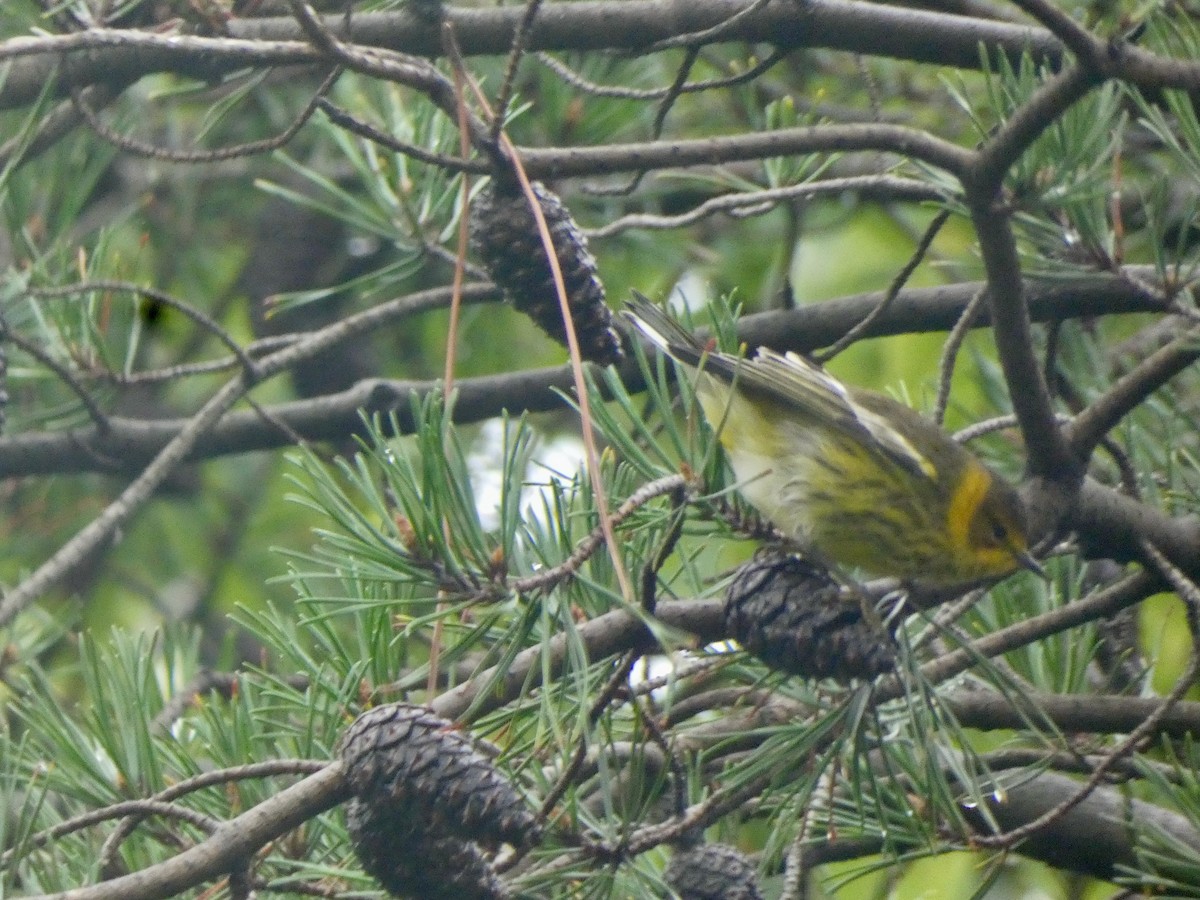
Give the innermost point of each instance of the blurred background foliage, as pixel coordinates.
(290, 564)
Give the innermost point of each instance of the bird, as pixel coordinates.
(858, 480)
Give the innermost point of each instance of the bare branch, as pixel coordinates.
(229, 846)
(99, 55)
(1125, 394)
(129, 443)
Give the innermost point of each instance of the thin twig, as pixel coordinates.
(1190, 594)
(673, 92)
(139, 809)
(954, 341)
(763, 201)
(231, 775)
(892, 293)
(583, 551)
(1127, 392)
(1102, 603)
(577, 81)
(515, 52)
(201, 318)
(443, 161)
(231, 844)
(390, 65)
(250, 148)
(678, 776)
(206, 367)
(664, 549)
(51, 127)
(606, 696)
(708, 35)
(95, 413)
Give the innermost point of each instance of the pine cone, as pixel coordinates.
(789, 613)
(712, 872)
(410, 864)
(413, 763)
(505, 236)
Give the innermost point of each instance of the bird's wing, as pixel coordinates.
(788, 379)
(793, 381)
(670, 337)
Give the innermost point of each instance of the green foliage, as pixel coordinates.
(388, 565)
(247, 611)
(60, 762)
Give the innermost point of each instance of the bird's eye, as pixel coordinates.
(999, 532)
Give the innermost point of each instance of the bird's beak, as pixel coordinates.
(1027, 561)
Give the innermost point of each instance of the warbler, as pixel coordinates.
(856, 478)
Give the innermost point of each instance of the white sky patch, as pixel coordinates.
(691, 292)
(556, 458)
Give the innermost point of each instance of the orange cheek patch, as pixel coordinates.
(972, 487)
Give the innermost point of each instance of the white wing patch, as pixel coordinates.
(789, 379)
(898, 446)
(797, 381)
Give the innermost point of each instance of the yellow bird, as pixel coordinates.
(855, 477)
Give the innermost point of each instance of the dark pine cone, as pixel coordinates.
(410, 864)
(712, 872)
(413, 763)
(789, 613)
(505, 236)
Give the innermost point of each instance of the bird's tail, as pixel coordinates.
(658, 325)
